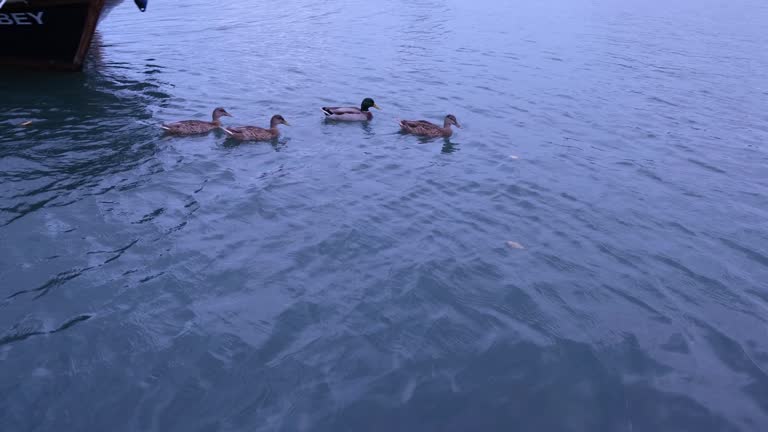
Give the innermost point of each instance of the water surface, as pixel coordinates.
(350, 278)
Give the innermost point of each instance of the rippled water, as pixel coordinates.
(351, 278)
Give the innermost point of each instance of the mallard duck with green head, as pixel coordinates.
(351, 113)
(196, 127)
(254, 133)
(425, 128)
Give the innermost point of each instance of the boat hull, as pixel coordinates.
(47, 33)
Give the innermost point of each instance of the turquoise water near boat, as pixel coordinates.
(589, 253)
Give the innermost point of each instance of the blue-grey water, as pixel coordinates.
(350, 278)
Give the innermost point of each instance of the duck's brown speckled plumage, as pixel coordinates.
(425, 128)
(254, 133)
(195, 127)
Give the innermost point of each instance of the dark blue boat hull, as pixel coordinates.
(48, 33)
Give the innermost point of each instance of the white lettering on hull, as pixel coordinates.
(37, 17)
(22, 18)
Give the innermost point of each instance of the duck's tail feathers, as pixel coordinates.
(227, 131)
(327, 111)
(164, 127)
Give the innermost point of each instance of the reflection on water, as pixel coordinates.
(348, 276)
(448, 146)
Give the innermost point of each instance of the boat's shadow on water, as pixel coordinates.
(75, 130)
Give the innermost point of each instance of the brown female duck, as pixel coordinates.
(425, 128)
(253, 133)
(195, 127)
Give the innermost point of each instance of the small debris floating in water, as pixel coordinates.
(26, 123)
(515, 245)
(514, 157)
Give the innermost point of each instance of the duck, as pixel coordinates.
(195, 127)
(253, 133)
(425, 128)
(351, 113)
